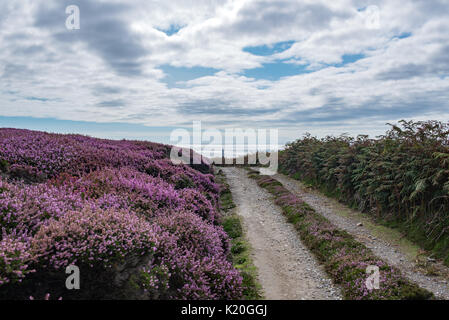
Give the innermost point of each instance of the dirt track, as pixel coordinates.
(287, 270)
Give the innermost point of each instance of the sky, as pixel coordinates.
(141, 69)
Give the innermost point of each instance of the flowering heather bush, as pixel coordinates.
(349, 269)
(136, 225)
(194, 276)
(345, 259)
(197, 202)
(127, 187)
(15, 257)
(202, 239)
(53, 154)
(87, 236)
(25, 208)
(181, 176)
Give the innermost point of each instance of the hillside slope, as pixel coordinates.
(137, 226)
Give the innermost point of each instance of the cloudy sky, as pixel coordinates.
(138, 69)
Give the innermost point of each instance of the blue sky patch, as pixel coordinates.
(268, 50)
(276, 70)
(173, 29)
(349, 58)
(404, 35)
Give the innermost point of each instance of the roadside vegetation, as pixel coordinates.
(401, 179)
(345, 259)
(240, 247)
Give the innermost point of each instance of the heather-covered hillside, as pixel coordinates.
(135, 224)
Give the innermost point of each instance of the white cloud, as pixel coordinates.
(111, 71)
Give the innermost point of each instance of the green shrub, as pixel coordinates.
(400, 178)
(4, 165)
(233, 227)
(238, 247)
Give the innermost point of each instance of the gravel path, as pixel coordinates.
(286, 269)
(383, 249)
